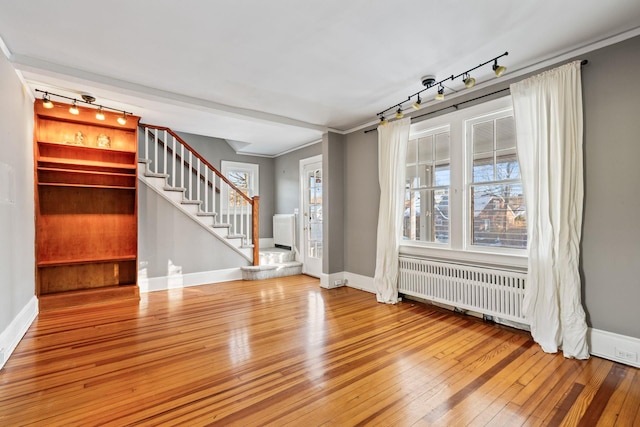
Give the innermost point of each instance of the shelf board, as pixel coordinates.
(86, 172)
(90, 163)
(106, 187)
(58, 263)
(78, 147)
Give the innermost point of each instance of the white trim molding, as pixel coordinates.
(357, 281)
(615, 347)
(333, 280)
(179, 280)
(11, 336)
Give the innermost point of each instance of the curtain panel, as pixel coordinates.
(549, 127)
(392, 152)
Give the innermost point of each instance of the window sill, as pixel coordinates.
(468, 257)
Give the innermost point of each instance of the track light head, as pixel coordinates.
(469, 81)
(498, 69)
(383, 121)
(440, 95)
(46, 102)
(74, 109)
(100, 114)
(123, 120)
(399, 113)
(418, 103)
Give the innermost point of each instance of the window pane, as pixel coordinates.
(505, 133)
(483, 137)
(442, 175)
(507, 165)
(412, 176)
(499, 216)
(483, 169)
(425, 149)
(426, 216)
(442, 147)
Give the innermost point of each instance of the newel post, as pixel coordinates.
(255, 212)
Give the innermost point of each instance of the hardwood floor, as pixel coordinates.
(286, 352)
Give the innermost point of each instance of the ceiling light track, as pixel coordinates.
(86, 99)
(430, 82)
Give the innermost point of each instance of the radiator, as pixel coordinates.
(284, 230)
(489, 291)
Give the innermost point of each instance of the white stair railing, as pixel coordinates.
(186, 170)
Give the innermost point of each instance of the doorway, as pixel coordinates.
(311, 207)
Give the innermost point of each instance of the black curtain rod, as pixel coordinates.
(455, 106)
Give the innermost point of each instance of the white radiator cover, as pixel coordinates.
(284, 230)
(491, 291)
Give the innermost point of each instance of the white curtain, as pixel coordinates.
(548, 115)
(392, 153)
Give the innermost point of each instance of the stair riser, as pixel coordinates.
(271, 274)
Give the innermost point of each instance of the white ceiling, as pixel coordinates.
(270, 76)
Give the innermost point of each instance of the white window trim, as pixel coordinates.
(227, 166)
(459, 247)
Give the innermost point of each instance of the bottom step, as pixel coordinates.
(129, 294)
(271, 271)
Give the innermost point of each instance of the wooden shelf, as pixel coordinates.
(86, 233)
(85, 261)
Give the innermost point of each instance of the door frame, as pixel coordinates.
(301, 184)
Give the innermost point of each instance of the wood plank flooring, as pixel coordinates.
(286, 352)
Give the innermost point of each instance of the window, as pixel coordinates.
(497, 202)
(242, 175)
(426, 206)
(463, 190)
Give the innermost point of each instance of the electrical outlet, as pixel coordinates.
(337, 282)
(626, 355)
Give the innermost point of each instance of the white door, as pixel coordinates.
(311, 185)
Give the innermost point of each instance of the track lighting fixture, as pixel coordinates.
(46, 102)
(418, 103)
(383, 121)
(86, 99)
(74, 109)
(498, 69)
(100, 114)
(469, 81)
(429, 81)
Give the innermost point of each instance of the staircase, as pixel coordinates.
(170, 167)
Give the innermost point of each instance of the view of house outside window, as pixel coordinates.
(426, 206)
(497, 203)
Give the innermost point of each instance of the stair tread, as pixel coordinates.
(192, 202)
(169, 188)
(272, 266)
(155, 175)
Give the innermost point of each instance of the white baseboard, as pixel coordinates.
(333, 280)
(619, 348)
(11, 336)
(176, 281)
(357, 281)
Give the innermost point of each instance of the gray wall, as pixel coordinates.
(611, 233)
(333, 203)
(215, 150)
(17, 230)
(611, 230)
(168, 237)
(287, 178)
(287, 181)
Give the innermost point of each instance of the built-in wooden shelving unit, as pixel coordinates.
(86, 207)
